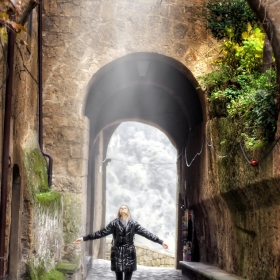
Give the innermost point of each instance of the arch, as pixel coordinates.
(113, 126)
(147, 87)
(128, 173)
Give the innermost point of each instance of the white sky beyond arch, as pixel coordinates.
(148, 189)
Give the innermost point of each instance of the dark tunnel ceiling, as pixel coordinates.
(146, 89)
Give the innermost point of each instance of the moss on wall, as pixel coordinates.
(234, 171)
(49, 199)
(71, 227)
(40, 273)
(72, 216)
(35, 168)
(50, 202)
(252, 199)
(54, 275)
(67, 267)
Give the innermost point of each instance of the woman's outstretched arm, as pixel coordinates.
(96, 235)
(145, 233)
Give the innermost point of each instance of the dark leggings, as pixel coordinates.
(127, 275)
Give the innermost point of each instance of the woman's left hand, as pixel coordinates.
(164, 245)
(78, 240)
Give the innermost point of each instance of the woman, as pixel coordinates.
(123, 254)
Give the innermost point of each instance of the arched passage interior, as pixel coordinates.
(148, 87)
(142, 174)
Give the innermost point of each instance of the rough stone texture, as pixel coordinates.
(47, 237)
(23, 135)
(80, 37)
(236, 208)
(146, 256)
(41, 230)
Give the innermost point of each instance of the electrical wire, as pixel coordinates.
(211, 145)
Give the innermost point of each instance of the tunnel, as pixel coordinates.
(145, 87)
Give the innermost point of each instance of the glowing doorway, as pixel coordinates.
(142, 174)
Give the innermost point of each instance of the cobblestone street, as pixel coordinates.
(101, 271)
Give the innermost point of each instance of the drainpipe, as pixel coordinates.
(6, 148)
(40, 85)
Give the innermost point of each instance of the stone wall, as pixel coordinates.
(34, 225)
(23, 142)
(235, 206)
(146, 256)
(47, 237)
(81, 37)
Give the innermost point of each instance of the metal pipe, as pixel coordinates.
(40, 89)
(6, 148)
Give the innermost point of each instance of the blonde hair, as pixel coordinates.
(128, 214)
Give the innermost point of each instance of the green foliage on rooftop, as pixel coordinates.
(237, 81)
(234, 15)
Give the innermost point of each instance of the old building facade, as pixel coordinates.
(104, 62)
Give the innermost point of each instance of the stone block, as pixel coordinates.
(65, 183)
(156, 262)
(51, 23)
(140, 251)
(162, 10)
(76, 152)
(180, 50)
(165, 25)
(124, 10)
(55, 39)
(108, 12)
(179, 31)
(75, 167)
(149, 253)
(178, 13)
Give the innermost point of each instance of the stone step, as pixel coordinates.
(201, 271)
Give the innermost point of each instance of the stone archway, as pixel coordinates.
(148, 87)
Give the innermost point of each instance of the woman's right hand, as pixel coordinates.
(79, 240)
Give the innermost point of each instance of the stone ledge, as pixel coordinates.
(201, 271)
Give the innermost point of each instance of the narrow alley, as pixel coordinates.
(101, 271)
(153, 119)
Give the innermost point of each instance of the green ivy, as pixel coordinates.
(229, 14)
(249, 94)
(242, 57)
(250, 100)
(255, 107)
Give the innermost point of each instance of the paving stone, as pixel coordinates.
(101, 271)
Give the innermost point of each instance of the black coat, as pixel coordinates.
(123, 254)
